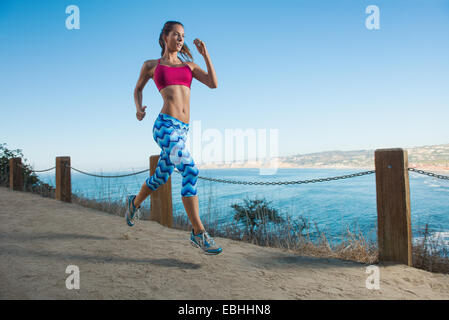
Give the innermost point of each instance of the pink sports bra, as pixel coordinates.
(166, 75)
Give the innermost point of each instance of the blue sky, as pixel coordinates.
(310, 69)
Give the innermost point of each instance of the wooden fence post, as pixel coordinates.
(161, 199)
(393, 206)
(63, 179)
(15, 174)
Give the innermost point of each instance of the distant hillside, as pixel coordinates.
(434, 157)
(426, 156)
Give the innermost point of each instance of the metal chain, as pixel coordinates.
(43, 170)
(100, 176)
(36, 170)
(288, 182)
(431, 174)
(439, 176)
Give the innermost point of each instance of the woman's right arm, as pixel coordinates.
(141, 82)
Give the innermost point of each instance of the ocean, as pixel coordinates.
(332, 206)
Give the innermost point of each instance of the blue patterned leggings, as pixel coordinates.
(171, 135)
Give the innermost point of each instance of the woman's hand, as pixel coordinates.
(140, 114)
(201, 46)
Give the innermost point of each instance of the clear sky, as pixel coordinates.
(310, 69)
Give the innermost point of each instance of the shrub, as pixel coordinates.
(255, 213)
(31, 181)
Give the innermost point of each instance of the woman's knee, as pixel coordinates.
(189, 180)
(160, 177)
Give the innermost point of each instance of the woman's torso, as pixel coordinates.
(176, 96)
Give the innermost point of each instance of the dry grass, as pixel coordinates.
(431, 253)
(286, 235)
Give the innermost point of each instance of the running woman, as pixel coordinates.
(173, 78)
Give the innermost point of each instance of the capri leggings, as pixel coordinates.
(171, 135)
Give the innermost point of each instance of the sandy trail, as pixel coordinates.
(40, 237)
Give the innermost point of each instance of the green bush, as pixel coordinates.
(255, 213)
(31, 181)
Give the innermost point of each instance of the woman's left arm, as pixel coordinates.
(209, 78)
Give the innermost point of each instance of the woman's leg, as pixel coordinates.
(164, 169)
(193, 212)
(171, 136)
(199, 238)
(191, 206)
(189, 171)
(142, 195)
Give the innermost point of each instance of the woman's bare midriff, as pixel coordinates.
(176, 102)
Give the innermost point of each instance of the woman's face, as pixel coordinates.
(175, 39)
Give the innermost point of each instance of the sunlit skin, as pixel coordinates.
(176, 101)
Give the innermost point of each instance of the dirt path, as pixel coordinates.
(40, 237)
